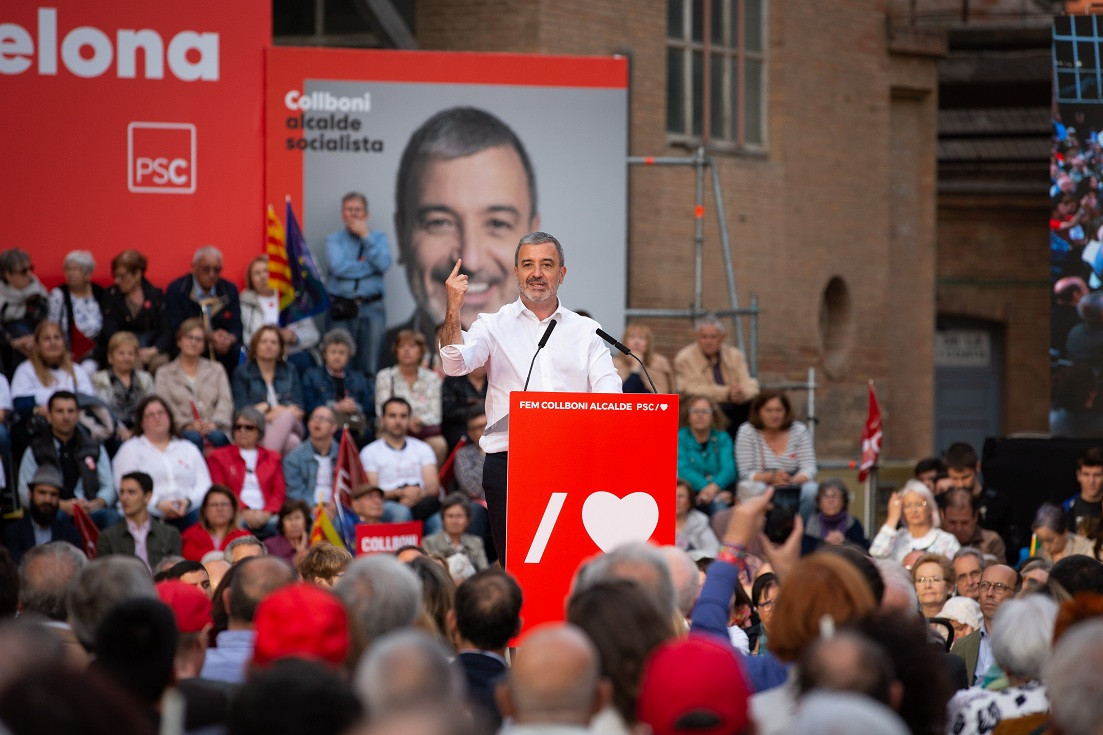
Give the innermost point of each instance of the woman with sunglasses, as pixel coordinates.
(253, 473)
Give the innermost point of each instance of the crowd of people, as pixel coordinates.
(198, 435)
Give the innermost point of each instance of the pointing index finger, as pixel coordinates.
(456, 269)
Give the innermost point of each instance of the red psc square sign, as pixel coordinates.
(587, 472)
(161, 158)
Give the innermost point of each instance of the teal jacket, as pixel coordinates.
(715, 464)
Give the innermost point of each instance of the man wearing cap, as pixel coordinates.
(367, 504)
(138, 534)
(714, 699)
(81, 462)
(206, 704)
(41, 522)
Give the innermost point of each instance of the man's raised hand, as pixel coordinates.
(456, 284)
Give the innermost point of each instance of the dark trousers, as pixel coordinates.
(494, 485)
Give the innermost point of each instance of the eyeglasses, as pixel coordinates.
(244, 427)
(156, 415)
(998, 587)
(914, 506)
(193, 338)
(701, 411)
(929, 580)
(22, 271)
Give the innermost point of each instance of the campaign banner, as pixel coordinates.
(133, 125)
(587, 473)
(386, 538)
(458, 155)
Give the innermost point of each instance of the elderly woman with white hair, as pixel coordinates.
(963, 614)
(920, 531)
(76, 306)
(1022, 635)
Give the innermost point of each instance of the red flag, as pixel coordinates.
(89, 534)
(871, 437)
(349, 472)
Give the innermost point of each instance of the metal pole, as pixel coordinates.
(871, 489)
(812, 419)
(752, 356)
(725, 249)
(698, 229)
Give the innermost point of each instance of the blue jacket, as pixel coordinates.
(717, 462)
(710, 616)
(300, 471)
(356, 266)
(319, 389)
(249, 388)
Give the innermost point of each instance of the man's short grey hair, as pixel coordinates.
(972, 551)
(684, 576)
(203, 252)
(102, 584)
(47, 576)
(538, 238)
(404, 670)
(843, 713)
(709, 320)
(83, 258)
(1074, 679)
(355, 195)
(338, 336)
(228, 552)
(381, 594)
(896, 577)
(639, 562)
(1022, 634)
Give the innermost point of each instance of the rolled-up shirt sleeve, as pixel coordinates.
(462, 359)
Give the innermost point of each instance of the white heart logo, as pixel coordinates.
(662, 406)
(612, 521)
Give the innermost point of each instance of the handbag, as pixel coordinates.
(342, 308)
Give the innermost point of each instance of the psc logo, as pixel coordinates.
(160, 158)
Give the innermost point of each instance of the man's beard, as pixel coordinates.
(43, 515)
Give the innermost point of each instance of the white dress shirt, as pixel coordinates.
(575, 359)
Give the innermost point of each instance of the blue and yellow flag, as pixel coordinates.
(291, 270)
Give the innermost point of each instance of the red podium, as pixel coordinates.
(587, 472)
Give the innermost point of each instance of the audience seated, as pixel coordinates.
(23, 304)
(77, 307)
(260, 305)
(134, 305)
(692, 532)
(1055, 540)
(48, 370)
(920, 530)
(323, 564)
(708, 367)
(292, 538)
(80, 461)
(121, 385)
(637, 338)
(196, 389)
(419, 386)
(41, 523)
(773, 448)
(180, 475)
(832, 522)
(252, 472)
(272, 386)
(402, 465)
(706, 459)
(459, 394)
(204, 295)
(344, 389)
(453, 538)
(217, 526)
(138, 534)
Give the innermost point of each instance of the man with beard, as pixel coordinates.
(575, 359)
(40, 523)
(465, 190)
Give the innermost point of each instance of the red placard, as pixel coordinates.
(587, 472)
(133, 125)
(386, 538)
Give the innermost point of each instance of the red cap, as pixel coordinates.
(301, 620)
(695, 685)
(191, 607)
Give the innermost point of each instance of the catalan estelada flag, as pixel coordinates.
(291, 270)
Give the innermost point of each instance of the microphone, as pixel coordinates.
(605, 336)
(539, 346)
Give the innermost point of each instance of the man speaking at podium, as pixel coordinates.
(574, 359)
